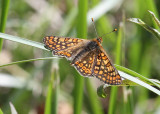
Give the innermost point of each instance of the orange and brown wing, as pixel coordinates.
(60, 43)
(85, 64)
(104, 70)
(64, 46)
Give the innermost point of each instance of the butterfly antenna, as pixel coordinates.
(109, 32)
(94, 27)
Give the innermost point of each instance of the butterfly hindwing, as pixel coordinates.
(85, 64)
(104, 70)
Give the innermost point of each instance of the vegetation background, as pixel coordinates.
(53, 86)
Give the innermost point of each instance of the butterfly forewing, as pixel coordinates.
(64, 46)
(60, 43)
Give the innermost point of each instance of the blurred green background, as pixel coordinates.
(54, 86)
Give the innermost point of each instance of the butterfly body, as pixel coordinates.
(87, 56)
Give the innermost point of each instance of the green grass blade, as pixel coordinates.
(134, 74)
(28, 60)
(151, 5)
(94, 101)
(4, 14)
(155, 18)
(112, 101)
(113, 96)
(56, 76)
(155, 32)
(82, 19)
(1, 111)
(49, 98)
(140, 82)
(23, 41)
(131, 75)
(149, 81)
(119, 46)
(147, 84)
(69, 20)
(81, 33)
(52, 94)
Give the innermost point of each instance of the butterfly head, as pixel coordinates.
(99, 39)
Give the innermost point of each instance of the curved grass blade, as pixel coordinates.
(155, 32)
(155, 18)
(134, 79)
(142, 83)
(23, 41)
(149, 81)
(135, 74)
(29, 60)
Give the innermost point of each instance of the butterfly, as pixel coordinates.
(87, 56)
